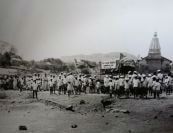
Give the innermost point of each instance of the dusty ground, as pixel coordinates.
(46, 116)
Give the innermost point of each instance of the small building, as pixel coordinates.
(154, 61)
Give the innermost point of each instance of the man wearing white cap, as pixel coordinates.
(129, 74)
(160, 75)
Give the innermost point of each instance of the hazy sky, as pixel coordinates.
(53, 28)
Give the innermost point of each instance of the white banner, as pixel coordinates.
(108, 65)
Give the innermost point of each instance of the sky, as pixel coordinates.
(53, 28)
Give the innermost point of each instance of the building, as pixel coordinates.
(154, 61)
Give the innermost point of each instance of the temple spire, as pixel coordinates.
(155, 34)
(155, 49)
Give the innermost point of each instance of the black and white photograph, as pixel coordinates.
(86, 66)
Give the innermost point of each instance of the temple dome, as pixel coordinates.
(155, 46)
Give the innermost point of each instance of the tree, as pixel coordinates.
(85, 71)
(5, 59)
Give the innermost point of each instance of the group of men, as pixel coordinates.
(139, 85)
(131, 84)
(64, 83)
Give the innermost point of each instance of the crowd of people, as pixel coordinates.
(132, 84)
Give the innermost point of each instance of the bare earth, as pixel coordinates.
(48, 114)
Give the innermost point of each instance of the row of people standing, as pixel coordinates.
(139, 85)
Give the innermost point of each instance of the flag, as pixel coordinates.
(122, 56)
(76, 63)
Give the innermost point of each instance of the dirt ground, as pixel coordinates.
(48, 114)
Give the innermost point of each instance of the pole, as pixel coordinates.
(119, 68)
(100, 69)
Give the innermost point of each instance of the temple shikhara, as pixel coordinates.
(155, 61)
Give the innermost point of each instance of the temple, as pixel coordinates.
(154, 61)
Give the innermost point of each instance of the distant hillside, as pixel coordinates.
(97, 57)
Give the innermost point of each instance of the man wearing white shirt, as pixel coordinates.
(76, 86)
(35, 89)
(60, 84)
(156, 89)
(116, 86)
(121, 86)
(135, 86)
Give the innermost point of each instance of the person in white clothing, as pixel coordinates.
(135, 86)
(127, 87)
(15, 82)
(69, 88)
(156, 89)
(106, 84)
(60, 85)
(150, 83)
(121, 86)
(51, 86)
(111, 88)
(76, 86)
(116, 86)
(35, 89)
(98, 87)
(71, 79)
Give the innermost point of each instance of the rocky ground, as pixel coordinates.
(49, 114)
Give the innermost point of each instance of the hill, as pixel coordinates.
(97, 57)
